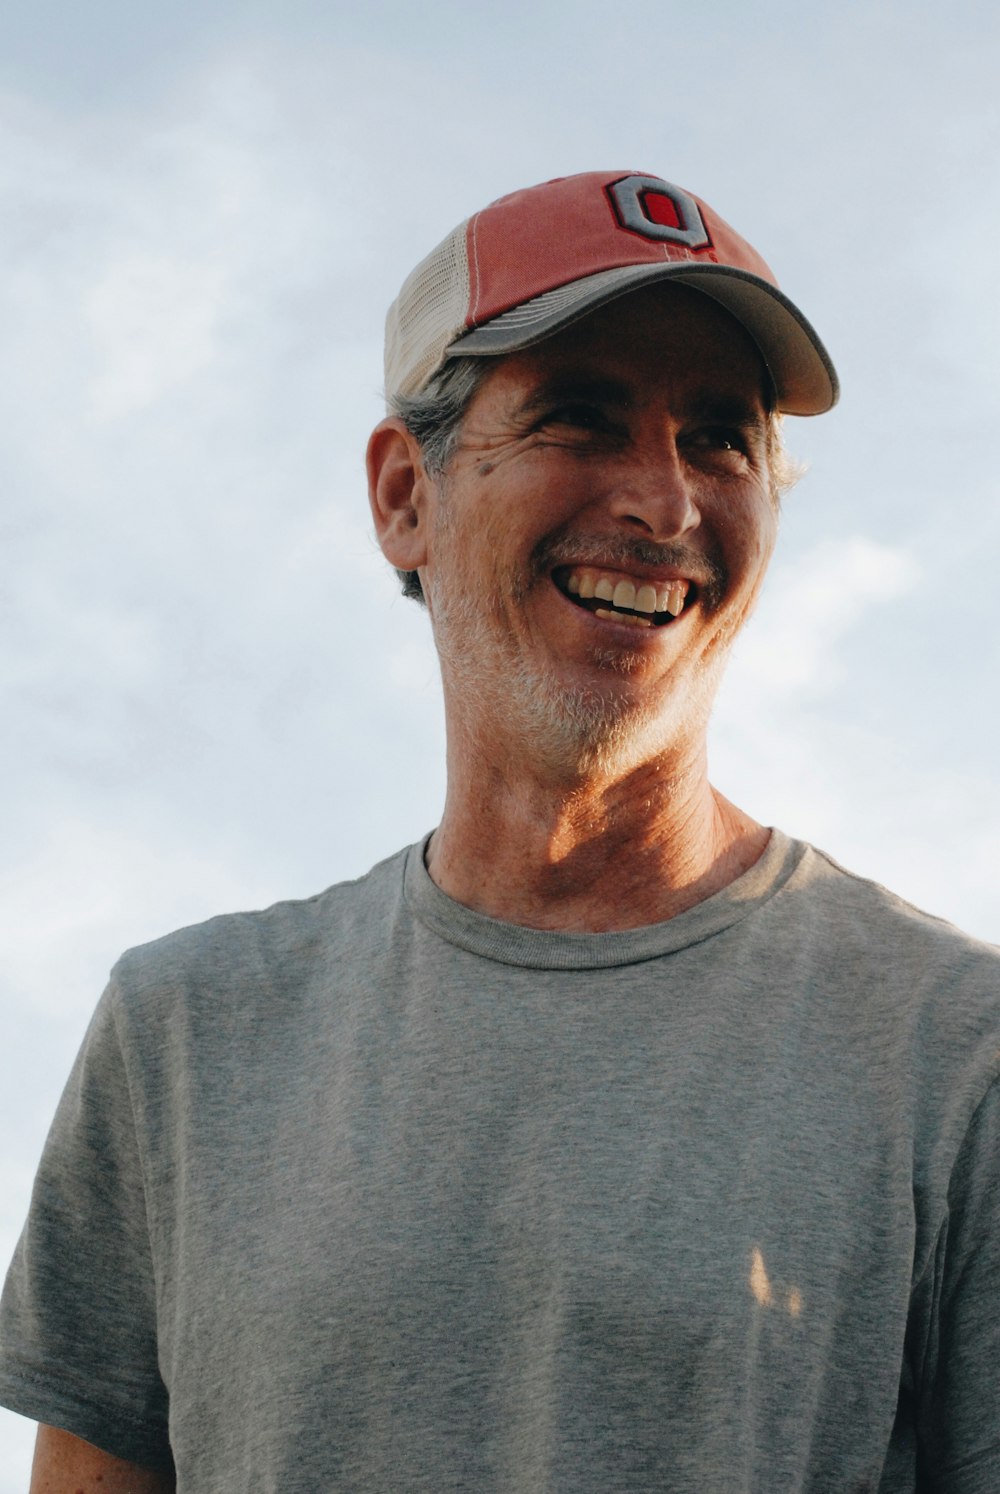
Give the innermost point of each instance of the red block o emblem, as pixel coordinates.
(649, 206)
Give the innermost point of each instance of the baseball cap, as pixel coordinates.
(531, 263)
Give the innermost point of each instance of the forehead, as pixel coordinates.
(662, 338)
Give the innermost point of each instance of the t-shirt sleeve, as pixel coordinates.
(78, 1338)
(960, 1411)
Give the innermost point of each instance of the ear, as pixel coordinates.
(397, 491)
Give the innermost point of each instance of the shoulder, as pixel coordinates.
(864, 918)
(893, 979)
(237, 956)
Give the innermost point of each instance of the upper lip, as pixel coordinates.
(653, 575)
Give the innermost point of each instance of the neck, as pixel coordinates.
(592, 851)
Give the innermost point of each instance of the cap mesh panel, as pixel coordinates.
(426, 316)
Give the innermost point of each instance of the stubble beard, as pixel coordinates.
(573, 731)
(570, 729)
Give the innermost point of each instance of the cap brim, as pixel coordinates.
(803, 374)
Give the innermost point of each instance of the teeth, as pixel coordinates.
(623, 617)
(678, 591)
(671, 598)
(586, 582)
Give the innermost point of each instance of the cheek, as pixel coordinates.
(764, 548)
(754, 535)
(474, 550)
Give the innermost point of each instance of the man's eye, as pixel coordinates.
(582, 417)
(720, 438)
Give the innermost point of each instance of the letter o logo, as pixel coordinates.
(649, 206)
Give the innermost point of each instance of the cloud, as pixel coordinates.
(84, 891)
(797, 742)
(810, 607)
(154, 322)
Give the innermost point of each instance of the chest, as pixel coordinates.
(657, 1159)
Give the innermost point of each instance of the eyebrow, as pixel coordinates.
(721, 409)
(561, 387)
(730, 409)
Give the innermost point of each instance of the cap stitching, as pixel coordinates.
(474, 305)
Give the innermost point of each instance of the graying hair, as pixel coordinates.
(434, 417)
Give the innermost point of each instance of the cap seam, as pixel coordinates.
(472, 310)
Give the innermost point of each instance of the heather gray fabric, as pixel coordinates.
(370, 1193)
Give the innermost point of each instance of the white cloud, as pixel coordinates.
(60, 625)
(154, 321)
(17, 1439)
(86, 890)
(811, 605)
(794, 745)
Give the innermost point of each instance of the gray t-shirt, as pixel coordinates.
(373, 1193)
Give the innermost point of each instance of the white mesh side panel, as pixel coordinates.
(427, 315)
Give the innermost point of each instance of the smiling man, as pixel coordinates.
(607, 1140)
(597, 541)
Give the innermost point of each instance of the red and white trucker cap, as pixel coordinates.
(539, 259)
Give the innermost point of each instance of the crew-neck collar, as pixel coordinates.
(541, 949)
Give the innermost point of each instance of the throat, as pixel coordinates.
(594, 865)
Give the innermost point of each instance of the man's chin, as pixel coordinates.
(584, 730)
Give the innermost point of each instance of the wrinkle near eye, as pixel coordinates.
(488, 449)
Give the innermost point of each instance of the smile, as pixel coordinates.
(617, 598)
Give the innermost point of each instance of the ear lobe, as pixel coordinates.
(397, 492)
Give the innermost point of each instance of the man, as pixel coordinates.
(609, 1140)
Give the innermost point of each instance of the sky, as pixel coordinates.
(213, 696)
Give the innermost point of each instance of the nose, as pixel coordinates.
(654, 492)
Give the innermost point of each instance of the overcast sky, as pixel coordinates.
(213, 697)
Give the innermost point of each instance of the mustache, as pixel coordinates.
(624, 551)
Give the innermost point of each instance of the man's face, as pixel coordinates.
(624, 462)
